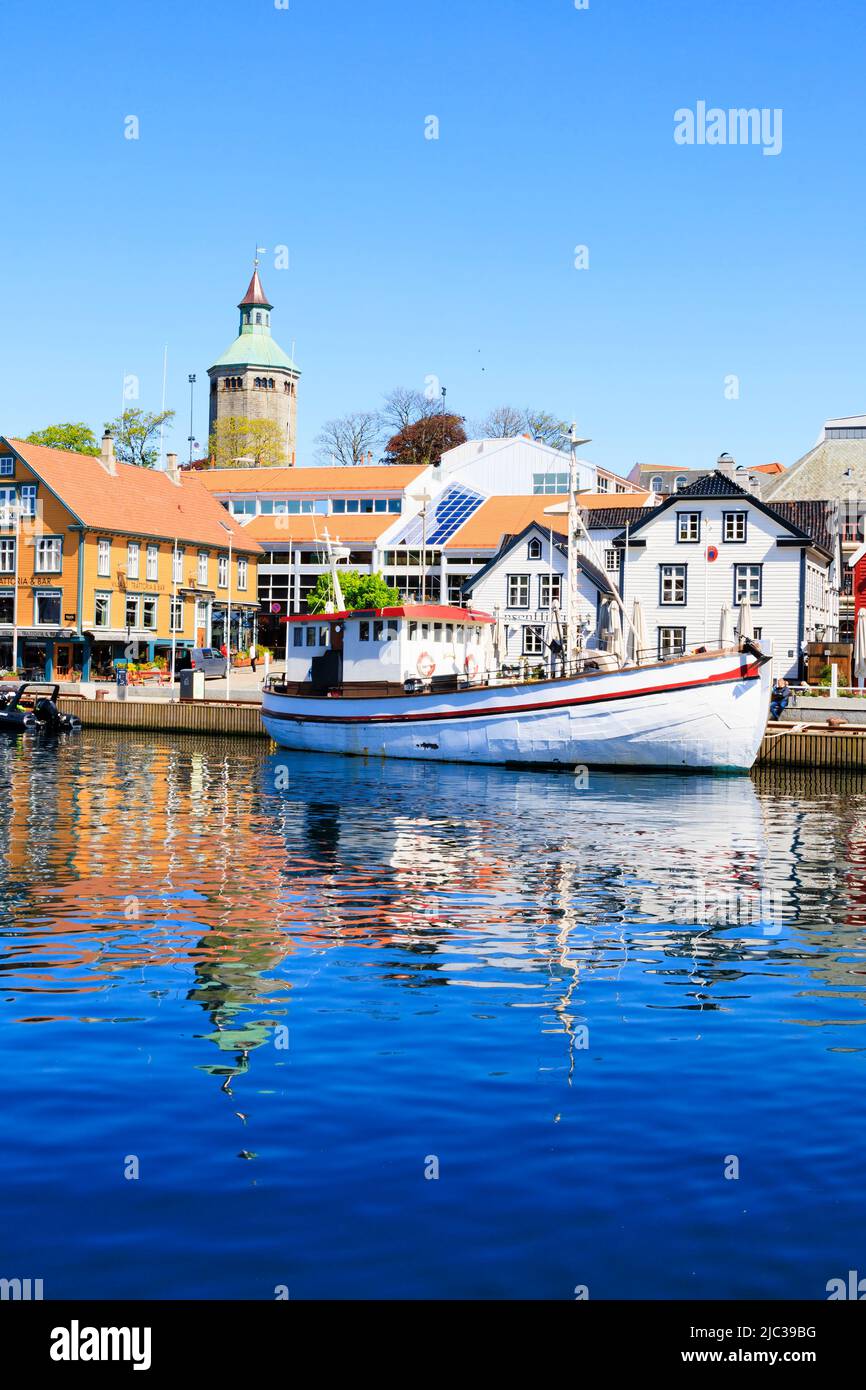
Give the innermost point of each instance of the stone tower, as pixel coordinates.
(254, 379)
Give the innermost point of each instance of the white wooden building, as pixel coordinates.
(517, 584)
(714, 543)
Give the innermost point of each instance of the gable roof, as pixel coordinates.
(324, 481)
(716, 486)
(509, 543)
(134, 501)
(508, 515)
(353, 528)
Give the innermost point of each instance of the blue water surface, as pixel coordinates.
(285, 1023)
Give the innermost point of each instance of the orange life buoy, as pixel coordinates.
(470, 666)
(425, 665)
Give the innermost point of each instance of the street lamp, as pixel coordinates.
(425, 498)
(191, 380)
(228, 613)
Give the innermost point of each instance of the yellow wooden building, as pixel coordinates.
(101, 561)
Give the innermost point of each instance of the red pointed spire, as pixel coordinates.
(255, 296)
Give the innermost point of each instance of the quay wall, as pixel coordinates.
(781, 747)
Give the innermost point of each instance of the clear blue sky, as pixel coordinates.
(452, 257)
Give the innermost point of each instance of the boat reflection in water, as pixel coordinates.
(390, 959)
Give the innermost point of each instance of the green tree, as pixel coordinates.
(136, 435)
(359, 591)
(239, 441)
(74, 436)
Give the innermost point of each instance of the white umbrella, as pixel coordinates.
(638, 641)
(860, 648)
(745, 627)
(612, 630)
(726, 626)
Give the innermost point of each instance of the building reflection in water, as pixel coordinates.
(189, 867)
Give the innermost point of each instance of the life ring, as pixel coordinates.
(470, 666)
(425, 665)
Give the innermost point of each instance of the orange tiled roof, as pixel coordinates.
(364, 478)
(136, 502)
(356, 527)
(767, 468)
(507, 516)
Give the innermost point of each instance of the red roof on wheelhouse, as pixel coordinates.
(255, 295)
(422, 612)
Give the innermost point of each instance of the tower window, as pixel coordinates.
(258, 317)
(271, 383)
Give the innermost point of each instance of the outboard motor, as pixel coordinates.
(47, 714)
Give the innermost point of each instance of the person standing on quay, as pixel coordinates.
(253, 657)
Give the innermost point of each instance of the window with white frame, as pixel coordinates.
(47, 609)
(102, 610)
(611, 560)
(747, 583)
(734, 526)
(131, 610)
(243, 571)
(202, 567)
(544, 586)
(223, 571)
(688, 527)
(672, 641)
(27, 494)
(603, 483)
(149, 610)
(49, 555)
(177, 615)
(8, 504)
(533, 550)
(518, 591)
(132, 550)
(103, 558)
(548, 484)
(7, 606)
(7, 466)
(533, 640)
(177, 565)
(152, 562)
(7, 556)
(672, 585)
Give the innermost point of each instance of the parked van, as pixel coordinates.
(206, 659)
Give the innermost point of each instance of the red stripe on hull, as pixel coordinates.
(723, 677)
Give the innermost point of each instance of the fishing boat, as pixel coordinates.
(32, 708)
(423, 680)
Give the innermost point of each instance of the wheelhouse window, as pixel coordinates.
(132, 560)
(364, 631)
(518, 591)
(152, 570)
(49, 555)
(734, 527)
(47, 610)
(544, 587)
(102, 610)
(533, 550)
(672, 641)
(748, 583)
(533, 641)
(103, 558)
(298, 636)
(312, 636)
(7, 556)
(688, 528)
(672, 586)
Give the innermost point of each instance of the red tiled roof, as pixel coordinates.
(358, 526)
(135, 501)
(324, 481)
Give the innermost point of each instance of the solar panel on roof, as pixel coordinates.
(454, 507)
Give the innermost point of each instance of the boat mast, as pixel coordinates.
(574, 526)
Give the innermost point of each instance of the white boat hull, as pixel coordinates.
(703, 713)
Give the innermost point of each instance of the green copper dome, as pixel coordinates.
(255, 349)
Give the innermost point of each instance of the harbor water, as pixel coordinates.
(286, 1025)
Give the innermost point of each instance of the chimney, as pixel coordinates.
(107, 458)
(725, 464)
(171, 469)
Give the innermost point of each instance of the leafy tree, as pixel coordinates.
(359, 591)
(426, 440)
(238, 442)
(349, 439)
(136, 435)
(75, 436)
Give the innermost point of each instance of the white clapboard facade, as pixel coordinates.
(713, 544)
(516, 586)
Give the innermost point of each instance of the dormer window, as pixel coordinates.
(533, 550)
(656, 484)
(680, 481)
